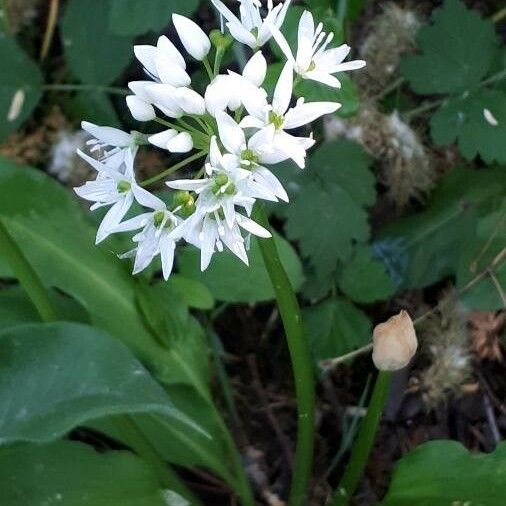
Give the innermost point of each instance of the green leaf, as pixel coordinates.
(364, 279)
(336, 327)
(228, 279)
(131, 17)
(327, 215)
(192, 292)
(456, 51)
(54, 377)
(74, 474)
(95, 56)
(425, 247)
(20, 86)
(175, 441)
(462, 119)
(59, 243)
(16, 308)
(92, 106)
(444, 473)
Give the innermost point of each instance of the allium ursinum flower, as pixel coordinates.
(226, 91)
(114, 186)
(194, 40)
(172, 141)
(313, 60)
(283, 117)
(216, 221)
(111, 143)
(252, 29)
(155, 238)
(250, 154)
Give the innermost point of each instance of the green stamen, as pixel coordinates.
(276, 120)
(123, 186)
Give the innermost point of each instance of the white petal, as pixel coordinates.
(133, 223)
(251, 122)
(140, 88)
(256, 68)
(349, 65)
(99, 166)
(214, 152)
(162, 138)
(253, 227)
(225, 11)
(167, 247)
(187, 184)
(167, 48)
(306, 113)
(231, 134)
(190, 101)
(283, 90)
(242, 35)
(305, 40)
(193, 38)
(322, 77)
(113, 217)
(269, 180)
(181, 143)
(165, 98)
(282, 43)
(107, 135)
(171, 73)
(209, 233)
(140, 109)
(146, 55)
(146, 198)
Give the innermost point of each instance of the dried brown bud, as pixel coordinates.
(395, 342)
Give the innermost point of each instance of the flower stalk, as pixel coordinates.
(363, 444)
(301, 362)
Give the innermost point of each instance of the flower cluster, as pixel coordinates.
(233, 126)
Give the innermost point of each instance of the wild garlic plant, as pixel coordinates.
(234, 127)
(239, 133)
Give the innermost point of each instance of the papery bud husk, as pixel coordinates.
(394, 342)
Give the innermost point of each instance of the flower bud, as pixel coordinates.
(140, 109)
(161, 139)
(194, 40)
(394, 342)
(181, 143)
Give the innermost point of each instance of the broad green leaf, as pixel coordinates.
(228, 279)
(131, 17)
(59, 242)
(54, 377)
(425, 247)
(364, 279)
(444, 473)
(175, 441)
(192, 292)
(327, 215)
(456, 51)
(95, 55)
(74, 474)
(335, 327)
(20, 85)
(92, 106)
(16, 308)
(462, 119)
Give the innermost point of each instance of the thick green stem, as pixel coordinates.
(301, 362)
(364, 441)
(167, 477)
(26, 275)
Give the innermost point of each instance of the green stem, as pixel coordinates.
(301, 362)
(4, 9)
(364, 441)
(86, 87)
(167, 477)
(174, 168)
(209, 70)
(26, 275)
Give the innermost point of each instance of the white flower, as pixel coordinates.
(216, 220)
(114, 186)
(112, 143)
(252, 153)
(140, 109)
(164, 63)
(251, 29)
(226, 91)
(314, 61)
(194, 40)
(155, 238)
(282, 117)
(172, 141)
